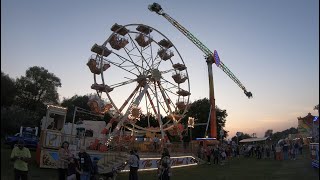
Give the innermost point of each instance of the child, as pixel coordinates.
(73, 168)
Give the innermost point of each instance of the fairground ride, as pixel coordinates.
(210, 59)
(138, 70)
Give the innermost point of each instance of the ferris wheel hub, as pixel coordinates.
(155, 75)
(142, 80)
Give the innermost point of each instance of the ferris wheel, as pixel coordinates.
(137, 70)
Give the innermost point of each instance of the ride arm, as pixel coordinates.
(208, 54)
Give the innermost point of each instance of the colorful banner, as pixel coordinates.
(152, 163)
(53, 139)
(49, 159)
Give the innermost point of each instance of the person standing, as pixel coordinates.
(285, 150)
(301, 147)
(165, 165)
(20, 155)
(63, 160)
(216, 155)
(133, 163)
(273, 150)
(155, 142)
(86, 166)
(208, 154)
(136, 153)
(296, 148)
(278, 152)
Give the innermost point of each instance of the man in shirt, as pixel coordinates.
(133, 163)
(20, 155)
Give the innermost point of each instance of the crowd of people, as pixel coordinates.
(278, 151)
(83, 167)
(72, 168)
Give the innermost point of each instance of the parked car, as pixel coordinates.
(30, 140)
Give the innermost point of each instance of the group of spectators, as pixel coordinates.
(69, 167)
(288, 150)
(279, 151)
(82, 167)
(164, 166)
(72, 168)
(220, 153)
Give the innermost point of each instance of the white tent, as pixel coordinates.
(253, 139)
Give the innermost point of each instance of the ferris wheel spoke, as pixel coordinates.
(123, 83)
(128, 99)
(167, 71)
(170, 83)
(118, 65)
(140, 52)
(131, 60)
(151, 102)
(159, 102)
(135, 65)
(165, 98)
(169, 90)
(151, 52)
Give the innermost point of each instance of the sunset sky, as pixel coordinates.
(271, 46)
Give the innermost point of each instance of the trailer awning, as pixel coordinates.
(253, 139)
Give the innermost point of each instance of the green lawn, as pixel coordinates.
(243, 168)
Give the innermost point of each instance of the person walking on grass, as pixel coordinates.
(278, 152)
(216, 155)
(164, 168)
(133, 163)
(20, 155)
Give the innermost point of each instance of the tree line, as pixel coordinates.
(24, 100)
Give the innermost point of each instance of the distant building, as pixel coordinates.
(307, 127)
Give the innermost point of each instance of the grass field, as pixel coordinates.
(242, 168)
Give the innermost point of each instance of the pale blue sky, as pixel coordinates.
(271, 46)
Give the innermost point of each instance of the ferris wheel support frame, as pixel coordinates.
(136, 102)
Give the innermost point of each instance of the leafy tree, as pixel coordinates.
(14, 117)
(8, 90)
(37, 88)
(283, 134)
(243, 136)
(200, 111)
(79, 101)
(143, 122)
(268, 133)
